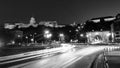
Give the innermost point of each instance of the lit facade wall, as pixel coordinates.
(98, 37)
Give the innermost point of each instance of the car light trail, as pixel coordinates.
(69, 56)
(64, 59)
(33, 54)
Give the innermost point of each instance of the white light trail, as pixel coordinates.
(65, 59)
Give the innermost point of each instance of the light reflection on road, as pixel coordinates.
(62, 60)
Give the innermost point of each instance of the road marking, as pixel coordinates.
(78, 58)
(72, 61)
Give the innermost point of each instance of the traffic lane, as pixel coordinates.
(44, 58)
(63, 60)
(86, 61)
(48, 53)
(7, 65)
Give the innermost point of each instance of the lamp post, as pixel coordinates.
(112, 32)
(47, 35)
(26, 39)
(61, 37)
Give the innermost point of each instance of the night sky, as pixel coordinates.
(62, 11)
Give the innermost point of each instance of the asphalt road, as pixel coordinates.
(74, 58)
(109, 59)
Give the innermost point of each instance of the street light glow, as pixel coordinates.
(108, 34)
(96, 21)
(13, 42)
(47, 34)
(32, 39)
(81, 35)
(26, 37)
(97, 33)
(47, 31)
(61, 35)
(19, 36)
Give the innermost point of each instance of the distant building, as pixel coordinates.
(22, 25)
(9, 26)
(73, 24)
(98, 29)
(116, 29)
(32, 22)
(99, 24)
(103, 19)
(48, 23)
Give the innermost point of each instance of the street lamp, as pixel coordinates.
(46, 32)
(26, 37)
(19, 36)
(13, 42)
(61, 37)
(81, 35)
(32, 40)
(47, 35)
(33, 37)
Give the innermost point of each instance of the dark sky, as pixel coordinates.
(63, 11)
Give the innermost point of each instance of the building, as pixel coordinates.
(98, 37)
(116, 29)
(9, 26)
(98, 29)
(48, 23)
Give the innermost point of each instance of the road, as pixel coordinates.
(109, 59)
(76, 57)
